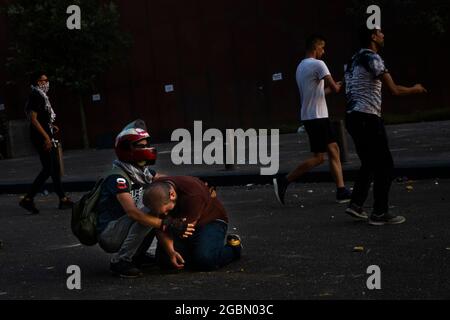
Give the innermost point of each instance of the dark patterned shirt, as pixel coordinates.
(363, 82)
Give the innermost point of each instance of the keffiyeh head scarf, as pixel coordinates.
(142, 176)
(48, 107)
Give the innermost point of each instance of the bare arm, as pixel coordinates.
(126, 201)
(398, 90)
(35, 122)
(167, 243)
(331, 86)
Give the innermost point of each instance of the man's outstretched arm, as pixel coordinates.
(398, 90)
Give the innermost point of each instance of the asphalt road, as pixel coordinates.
(304, 250)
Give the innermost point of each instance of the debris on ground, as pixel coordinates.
(325, 294)
(301, 129)
(402, 179)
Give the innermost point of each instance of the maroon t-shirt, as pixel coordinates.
(194, 201)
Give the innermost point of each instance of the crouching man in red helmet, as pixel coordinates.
(124, 227)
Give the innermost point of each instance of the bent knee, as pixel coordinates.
(108, 247)
(333, 150)
(320, 158)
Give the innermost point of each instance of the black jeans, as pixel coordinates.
(370, 139)
(50, 168)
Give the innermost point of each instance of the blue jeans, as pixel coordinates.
(204, 250)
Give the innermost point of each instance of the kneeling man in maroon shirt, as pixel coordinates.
(190, 198)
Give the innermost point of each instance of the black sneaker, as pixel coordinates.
(386, 218)
(343, 195)
(146, 260)
(125, 269)
(65, 203)
(280, 185)
(28, 204)
(234, 241)
(356, 212)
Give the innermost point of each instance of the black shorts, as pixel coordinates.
(320, 133)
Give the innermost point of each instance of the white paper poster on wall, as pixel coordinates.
(277, 76)
(96, 97)
(168, 88)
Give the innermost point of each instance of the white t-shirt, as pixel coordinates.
(309, 75)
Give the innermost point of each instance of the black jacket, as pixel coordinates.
(36, 103)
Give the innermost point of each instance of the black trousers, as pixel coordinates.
(50, 168)
(370, 139)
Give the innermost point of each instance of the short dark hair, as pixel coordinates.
(365, 35)
(157, 194)
(35, 76)
(312, 41)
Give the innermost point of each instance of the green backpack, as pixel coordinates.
(84, 211)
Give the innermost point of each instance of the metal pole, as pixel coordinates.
(341, 137)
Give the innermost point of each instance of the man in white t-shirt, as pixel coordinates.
(314, 82)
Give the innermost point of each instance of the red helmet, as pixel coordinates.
(127, 151)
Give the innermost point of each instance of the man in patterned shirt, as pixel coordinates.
(364, 77)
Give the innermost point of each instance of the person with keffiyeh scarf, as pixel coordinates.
(42, 133)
